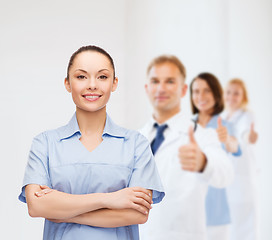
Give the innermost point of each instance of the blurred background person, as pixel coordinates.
(188, 162)
(243, 195)
(206, 95)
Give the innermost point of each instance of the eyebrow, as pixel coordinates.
(103, 70)
(81, 70)
(87, 72)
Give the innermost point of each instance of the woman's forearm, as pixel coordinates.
(61, 205)
(110, 218)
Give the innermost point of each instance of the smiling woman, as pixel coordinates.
(91, 178)
(207, 103)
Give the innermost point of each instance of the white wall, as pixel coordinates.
(229, 38)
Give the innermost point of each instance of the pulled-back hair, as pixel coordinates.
(89, 48)
(241, 83)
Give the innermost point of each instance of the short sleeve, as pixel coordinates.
(229, 127)
(145, 173)
(36, 171)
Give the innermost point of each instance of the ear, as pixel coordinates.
(146, 88)
(67, 85)
(115, 84)
(184, 90)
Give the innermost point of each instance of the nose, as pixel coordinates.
(161, 87)
(202, 95)
(92, 84)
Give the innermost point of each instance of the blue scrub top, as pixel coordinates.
(59, 160)
(217, 208)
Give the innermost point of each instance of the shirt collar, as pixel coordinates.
(113, 129)
(70, 129)
(110, 129)
(211, 123)
(180, 122)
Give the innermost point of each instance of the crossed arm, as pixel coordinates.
(121, 208)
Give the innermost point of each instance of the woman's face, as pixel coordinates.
(202, 96)
(234, 96)
(91, 81)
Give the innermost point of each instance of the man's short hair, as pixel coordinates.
(167, 58)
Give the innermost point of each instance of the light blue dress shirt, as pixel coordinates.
(217, 208)
(59, 160)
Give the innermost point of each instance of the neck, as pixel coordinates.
(91, 122)
(203, 118)
(231, 111)
(163, 116)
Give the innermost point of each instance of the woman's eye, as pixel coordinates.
(80, 77)
(103, 77)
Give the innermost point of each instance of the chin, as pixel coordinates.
(92, 109)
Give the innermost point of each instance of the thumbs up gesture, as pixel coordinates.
(190, 155)
(253, 135)
(222, 131)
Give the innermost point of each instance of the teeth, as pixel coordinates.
(91, 97)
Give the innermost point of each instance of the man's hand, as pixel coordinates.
(190, 155)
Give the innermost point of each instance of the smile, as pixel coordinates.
(161, 97)
(92, 97)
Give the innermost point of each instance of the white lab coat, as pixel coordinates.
(242, 193)
(181, 215)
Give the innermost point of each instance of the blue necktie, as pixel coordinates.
(159, 137)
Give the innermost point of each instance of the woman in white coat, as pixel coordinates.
(206, 95)
(243, 192)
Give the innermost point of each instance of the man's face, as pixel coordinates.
(165, 87)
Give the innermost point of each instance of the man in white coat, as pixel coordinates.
(188, 157)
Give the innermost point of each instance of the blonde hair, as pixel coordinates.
(167, 58)
(241, 83)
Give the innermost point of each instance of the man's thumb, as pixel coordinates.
(252, 127)
(191, 135)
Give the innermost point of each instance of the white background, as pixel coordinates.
(228, 38)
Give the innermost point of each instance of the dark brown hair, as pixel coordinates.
(89, 48)
(216, 89)
(167, 58)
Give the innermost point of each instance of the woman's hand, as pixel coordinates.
(222, 131)
(45, 190)
(137, 198)
(230, 142)
(253, 135)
